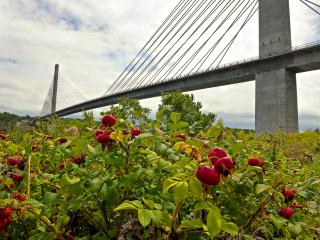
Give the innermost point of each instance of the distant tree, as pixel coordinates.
(130, 109)
(187, 106)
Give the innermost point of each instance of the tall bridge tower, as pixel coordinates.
(276, 90)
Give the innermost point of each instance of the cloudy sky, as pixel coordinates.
(93, 42)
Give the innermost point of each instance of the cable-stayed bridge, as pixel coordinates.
(186, 52)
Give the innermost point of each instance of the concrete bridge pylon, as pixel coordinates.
(276, 90)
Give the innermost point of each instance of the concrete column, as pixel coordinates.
(276, 91)
(55, 89)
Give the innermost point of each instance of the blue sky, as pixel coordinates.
(93, 41)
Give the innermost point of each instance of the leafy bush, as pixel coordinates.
(73, 185)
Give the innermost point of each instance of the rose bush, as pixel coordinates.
(146, 186)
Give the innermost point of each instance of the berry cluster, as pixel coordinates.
(5, 217)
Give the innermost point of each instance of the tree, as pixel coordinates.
(130, 109)
(187, 106)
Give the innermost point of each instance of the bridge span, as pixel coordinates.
(300, 59)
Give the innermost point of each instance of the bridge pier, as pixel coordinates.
(276, 90)
(55, 89)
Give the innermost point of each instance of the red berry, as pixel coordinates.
(3, 223)
(70, 237)
(4, 213)
(216, 154)
(76, 160)
(226, 162)
(287, 213)
(136, 132)
(63, 140)
(3, 137)
(11, 185)
(181, 136)
(291, 195)
(261, 164)
(9, 220)
(12, 161)
(103, 138)
(20, 199)
(108, 121)
(17, 177)
(98, 132)
(62, 165)
(254, 161)
(21, 165)
(208, 175)
(205, 145)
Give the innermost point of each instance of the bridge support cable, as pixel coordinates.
(304, 2)
(124, 82)
(183, 44)
(46, 109)
(140, 83)
(67, 94)
(187, 63)
(175, 15)
(76, 94)
(227, 47)
(192, 30)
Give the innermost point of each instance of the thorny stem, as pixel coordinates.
(46, 180)
(175, 215)
(268, 199)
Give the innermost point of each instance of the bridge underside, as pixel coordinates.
(294, 62)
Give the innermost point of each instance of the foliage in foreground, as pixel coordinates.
(145, 186)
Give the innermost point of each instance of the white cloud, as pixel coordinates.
(93, 41)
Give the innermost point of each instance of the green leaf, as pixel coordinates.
(313, 181)
(95, 184)
(147, 135)
(91, 150)
(63, 220)
(27, 149)
(156, 217)
(166, 218)
(175, 117)
(158, 206)
(125, 205)
(64, 181)
(294, 229)
(161, 111)
(34, 161)
(279, 223)
(214, 223)
(167, 184)
(196, 187)
(144, 217)
(305, 195)
(180, 191)
(191, 224)
(162, 119)
(149, 202)
(200, 206)
(182, 125)
(253, 169)
(137, 203)
(49, 197)
(230, 228)
(261, 188)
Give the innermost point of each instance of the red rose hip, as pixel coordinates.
(208, 175)
(103, 138)
(224, 166)
(254, 161)
(4, 213)
(12, 161)
(108, 121)
(136, 132)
